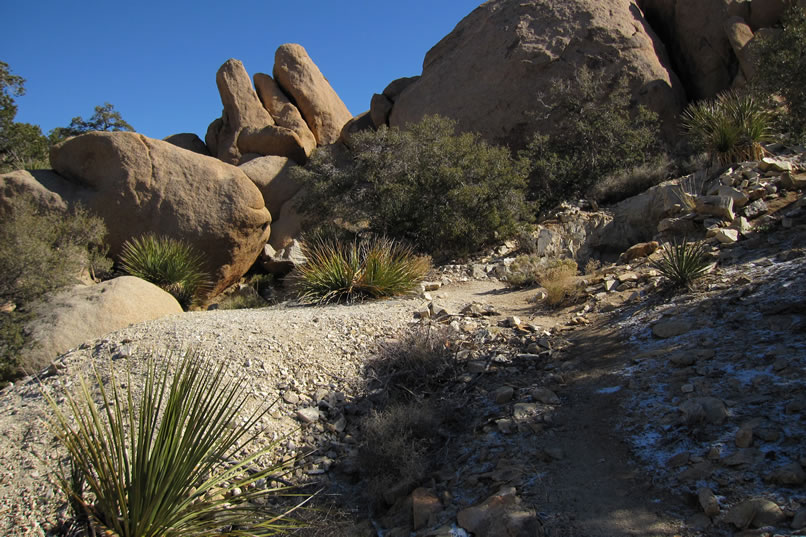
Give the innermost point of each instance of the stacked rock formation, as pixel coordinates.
(287, 115)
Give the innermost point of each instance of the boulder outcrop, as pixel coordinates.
(86, 312)
(298, 76)
(494, 72)
(189, 141)
(283, 111)
(242, 109)
(272, 175)
(139, 185)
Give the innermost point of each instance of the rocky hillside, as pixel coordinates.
(496, 72)
(635, 411)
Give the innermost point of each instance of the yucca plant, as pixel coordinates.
(169, 465)
(730, 128)
(370, 268)
(171, 264)
(683, 262)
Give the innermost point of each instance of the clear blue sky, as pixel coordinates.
(156, 61)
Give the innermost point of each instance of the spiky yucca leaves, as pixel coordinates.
(730, 128)
(683, 262)
(347, 272)
(171, 264)
(169, 465)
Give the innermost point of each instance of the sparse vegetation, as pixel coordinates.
(40, 251)
(599, 138)
(447, 194)
(173, 265)
(370, 268)
(782, 70)
(626, 183)
(682, 262)
(556, 275)
(415, 364)
(396, 444)
(730, 128)
(170, 463)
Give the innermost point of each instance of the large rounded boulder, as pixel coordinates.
(140, 185)
(494, 73)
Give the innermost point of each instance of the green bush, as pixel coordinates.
(730, 128)
(370, 268)
(171, 463)
(446, 194)
(598, 136)
(40, 251)
(781, 70)
(683, 262)
(171, 264)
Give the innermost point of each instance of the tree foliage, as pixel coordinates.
(445, 193)
(105, 118)
(22, 145)
(782, 70)
(599, 136)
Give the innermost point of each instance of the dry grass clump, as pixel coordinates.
(623, 184)
(558, 276)
(396, 445)
(348, 272)
(414, 364)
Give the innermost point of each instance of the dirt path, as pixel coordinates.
(591, 488)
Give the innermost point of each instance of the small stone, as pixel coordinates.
(744, 437)
(627, 277)
(708, 502)
(698, 521)
(503, 394)
(723, 235)
(522, 411)
(424, 506)
(791, 474)
(776, 165)
(290, 397)
(505, 425)
(430, 286)
(799, 520)
(545, 396)
(683, 359)
(719, 206)
(709, 409)
(743, 457)
(610, 285)
(555, 453)
(687, 388)
(476, 366)
(740, 199)
(308, 415)
(681, 459)
(755, 209)
(671, 328)
(756, 512)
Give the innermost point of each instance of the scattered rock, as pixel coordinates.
(789, 475)
(756, 512)
(668, 328)
(308, 415)
(708, 502)
(545, 396)
(719, 206)
(708, 409)
(424, 506)
(500, 514)
(637, 251)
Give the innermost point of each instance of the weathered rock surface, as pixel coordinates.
(289, 223)
(283, 111)
(46, 188)
(242, 109)
(298, 75)
(272, 176)
(189, 141)
(86, 312)
(529, 45)
(139, 185)
(692, 31)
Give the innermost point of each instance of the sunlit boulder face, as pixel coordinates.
(494, 72)
(140, 185)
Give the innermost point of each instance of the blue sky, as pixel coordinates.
(156, 61)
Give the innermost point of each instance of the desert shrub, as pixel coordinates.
(40, 251)
(173, 265)
(375, 267)
(249, 295)
(416, 363)
(598, 137)
(556, 275)
(396, 444)
(445, 193)
(781, 70)
(170, 463)
(730, 128)
(682, 262)
(626, 183)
